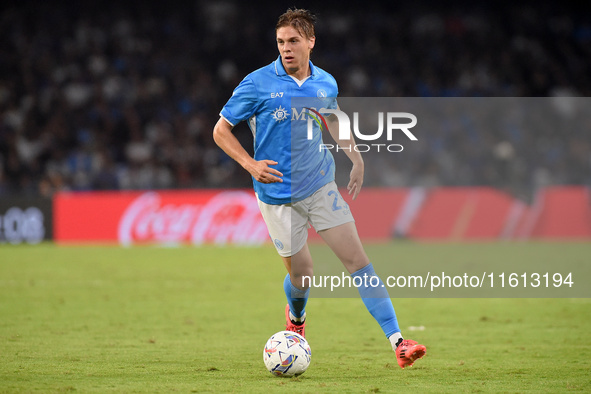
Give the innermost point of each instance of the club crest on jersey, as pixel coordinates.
(321, 93)
(280, 114)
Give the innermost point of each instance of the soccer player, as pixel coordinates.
(296, 189)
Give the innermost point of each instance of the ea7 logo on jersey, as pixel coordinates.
(278, 94)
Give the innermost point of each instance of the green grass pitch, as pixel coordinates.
(147, 319)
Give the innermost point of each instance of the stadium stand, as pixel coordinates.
(120, 96)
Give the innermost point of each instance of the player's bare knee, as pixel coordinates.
(302, 281)
(355, 260)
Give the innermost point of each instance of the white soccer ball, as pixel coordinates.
(287, 353)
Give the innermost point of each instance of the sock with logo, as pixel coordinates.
(297, 299)
(395, 339)
(377, 300)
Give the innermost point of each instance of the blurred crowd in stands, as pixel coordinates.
(124, 95)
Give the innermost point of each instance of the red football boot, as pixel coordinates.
(408, 351)
(291, 326)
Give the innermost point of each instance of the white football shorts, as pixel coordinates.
(288, 223)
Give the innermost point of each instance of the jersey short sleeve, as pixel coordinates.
(243, 103)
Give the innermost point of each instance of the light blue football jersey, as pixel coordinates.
(280, 128)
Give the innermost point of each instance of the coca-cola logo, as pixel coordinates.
(228, 217)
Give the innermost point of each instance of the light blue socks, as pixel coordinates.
(296, 298)
(376, 299)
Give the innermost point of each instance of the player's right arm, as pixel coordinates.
(227, 141)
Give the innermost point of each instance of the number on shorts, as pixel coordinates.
(335, 203)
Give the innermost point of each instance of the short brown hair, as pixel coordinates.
(300, 19)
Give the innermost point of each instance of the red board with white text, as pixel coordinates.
(232, 216)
